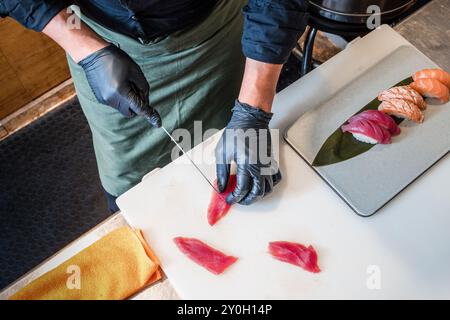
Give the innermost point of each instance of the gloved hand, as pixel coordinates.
(118, 81)
(246, 140)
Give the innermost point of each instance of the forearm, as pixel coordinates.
(259, 84)
(271, 30)
(78, 43)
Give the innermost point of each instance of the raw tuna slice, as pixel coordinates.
(296, 254)
(367, 131)
(211, 259)
(218, 207)
(380, 118)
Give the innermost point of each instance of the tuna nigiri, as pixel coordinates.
(202, 254)
(367, 131)
(218, 207)
(379, 118)
(438, 74)
(405, 93)
(431, 88)
(296, 254)
(402, 109)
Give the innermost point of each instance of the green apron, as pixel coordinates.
(194, 74)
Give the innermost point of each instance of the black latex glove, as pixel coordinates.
(246, 140)
(118, 81)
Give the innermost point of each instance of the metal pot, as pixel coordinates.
(355, 11)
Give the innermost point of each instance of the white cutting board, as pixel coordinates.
(402, 252)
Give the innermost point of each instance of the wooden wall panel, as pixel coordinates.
(12, 92)
(30, 65)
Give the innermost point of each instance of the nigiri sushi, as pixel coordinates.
(402, 109)
(367, 131)
(438, 74)
(379, 118)
(431, 88)
(405, 93)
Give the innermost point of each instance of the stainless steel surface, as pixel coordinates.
(355, 11)
(428, 30)
(190, 159)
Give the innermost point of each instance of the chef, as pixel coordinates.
(170, 63)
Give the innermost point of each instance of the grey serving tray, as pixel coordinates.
(368, 181)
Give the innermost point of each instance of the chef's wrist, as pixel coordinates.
(246, 116)
(257, 101)
(87, 46)
(110, 49)
(259, 84)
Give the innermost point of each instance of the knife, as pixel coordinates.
(149, 118)
(192, 161)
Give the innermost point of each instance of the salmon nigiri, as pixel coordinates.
(431, 88)
(405, 93)
(402, 108)
(437, 74)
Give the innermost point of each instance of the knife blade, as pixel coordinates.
(192, 161)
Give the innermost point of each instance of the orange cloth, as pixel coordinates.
(114, 267)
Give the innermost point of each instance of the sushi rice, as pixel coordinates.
(364, 138)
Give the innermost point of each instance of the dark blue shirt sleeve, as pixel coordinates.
(272, 28)
(32, 14)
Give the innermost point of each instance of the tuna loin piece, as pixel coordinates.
(296, 254)
(218, 207)
(211, 259)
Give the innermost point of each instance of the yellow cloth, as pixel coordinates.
(114, 267)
